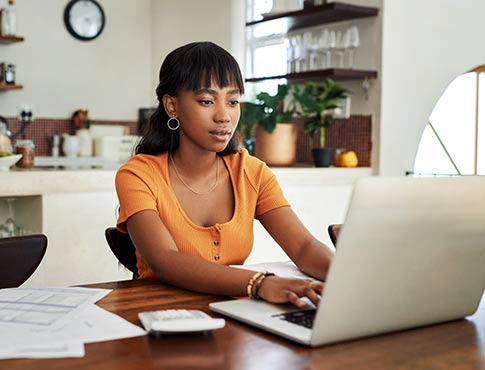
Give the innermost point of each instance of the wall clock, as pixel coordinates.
(84, 19)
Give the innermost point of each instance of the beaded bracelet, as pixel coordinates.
(253, 279)
(259, 283)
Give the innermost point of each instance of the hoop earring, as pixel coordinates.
(177, 123)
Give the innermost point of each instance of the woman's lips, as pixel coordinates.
(221, 134)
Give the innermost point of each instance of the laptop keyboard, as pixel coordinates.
(303, 318)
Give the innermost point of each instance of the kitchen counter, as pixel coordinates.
(38, 181)
(55, 181)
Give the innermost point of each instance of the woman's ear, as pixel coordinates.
(169, 104)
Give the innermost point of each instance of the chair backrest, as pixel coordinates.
(19, 258)
(333, 231)
(123, 248)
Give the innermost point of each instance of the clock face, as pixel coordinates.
(84, 19)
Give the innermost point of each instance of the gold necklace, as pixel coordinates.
(191, 189)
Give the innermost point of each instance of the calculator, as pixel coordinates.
(172, 321)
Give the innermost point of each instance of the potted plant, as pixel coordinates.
(251, 115)
(275, 134)
(317, 100)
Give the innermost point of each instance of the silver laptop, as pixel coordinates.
(411, 253)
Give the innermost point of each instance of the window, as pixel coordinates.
(453, 142)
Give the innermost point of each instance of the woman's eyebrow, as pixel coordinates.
(213, 92)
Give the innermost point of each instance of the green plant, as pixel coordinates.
(273, 109)
(251, 115)
(316, 100)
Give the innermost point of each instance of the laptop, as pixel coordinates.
(411, 253)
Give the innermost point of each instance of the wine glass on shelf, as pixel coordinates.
(332, 44)
(313, 53)
(354, 43)
(340, 48)
(323, 43)
(289, 55)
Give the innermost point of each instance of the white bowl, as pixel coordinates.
(9, 161)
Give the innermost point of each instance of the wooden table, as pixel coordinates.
(454, 345)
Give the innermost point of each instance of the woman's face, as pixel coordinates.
(208, 116)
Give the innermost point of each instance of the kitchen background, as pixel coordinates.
(418, 49)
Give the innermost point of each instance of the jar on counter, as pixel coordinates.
(26, 148)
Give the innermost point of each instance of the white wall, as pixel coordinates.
(175, 23)
(426, 44)
(116, 73)
(109, 75)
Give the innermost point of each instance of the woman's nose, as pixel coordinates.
(222, 115)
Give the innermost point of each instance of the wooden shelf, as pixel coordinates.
(5, 87)
(317, 15)
(333, 73)
(10, 39)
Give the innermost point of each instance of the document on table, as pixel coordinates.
(41, 308)
(56, 322)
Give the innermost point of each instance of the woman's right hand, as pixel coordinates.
(276, 289)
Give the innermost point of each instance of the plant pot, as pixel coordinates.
(279, 147)
(323, 157)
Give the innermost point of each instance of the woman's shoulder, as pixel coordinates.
(253, 167)
(144, 164)
(242, 159)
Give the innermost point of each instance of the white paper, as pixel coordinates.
(44, 308)
(61, 350)
(56, 322)
(95, 324)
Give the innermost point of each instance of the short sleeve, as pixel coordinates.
(270, 194)
(136, 190)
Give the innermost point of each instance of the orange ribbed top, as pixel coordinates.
(143, 183)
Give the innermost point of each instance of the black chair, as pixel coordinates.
(123, 248)
(333, 231)
(19, 258)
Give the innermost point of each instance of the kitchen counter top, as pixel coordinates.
(54, 181)
(41, 182)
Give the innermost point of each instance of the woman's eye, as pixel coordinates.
(234, 102)
(205, 102)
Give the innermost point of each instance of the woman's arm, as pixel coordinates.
(158, 249)
(310, 255)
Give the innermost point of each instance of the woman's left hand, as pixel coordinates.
(276, 289)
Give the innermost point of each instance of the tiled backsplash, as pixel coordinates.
(42, 129)
(354, 133)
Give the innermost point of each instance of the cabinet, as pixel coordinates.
(311, 17)
(10, 40)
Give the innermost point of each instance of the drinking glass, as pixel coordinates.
(340, 49)
(323, 43)
(332, 44)
(354, 43)
(9, 228)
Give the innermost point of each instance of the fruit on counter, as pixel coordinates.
(346, 158)
(4, 153)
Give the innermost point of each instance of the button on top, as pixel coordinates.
(216, 242)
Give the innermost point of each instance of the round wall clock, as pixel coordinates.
(84, 19)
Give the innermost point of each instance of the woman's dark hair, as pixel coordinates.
(189, 67)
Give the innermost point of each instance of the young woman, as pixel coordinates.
(189, 197)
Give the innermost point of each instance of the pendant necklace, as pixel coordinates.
(191, 189)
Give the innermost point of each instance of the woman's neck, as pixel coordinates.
(196, 164)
